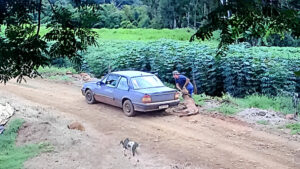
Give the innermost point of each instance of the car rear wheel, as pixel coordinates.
(128, 108)
(89, 97)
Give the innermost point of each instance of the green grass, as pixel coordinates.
(232, 105)
(60, 78)
(227, 109)
(200, 99)
(149, 35)
(55, 70)
(279, 104)
(295, 128)
(263, 122)
(11, 156)
(152, 34)
(55, 73)
(145, 34)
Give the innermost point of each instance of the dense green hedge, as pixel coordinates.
(262, 70)
(243, 70)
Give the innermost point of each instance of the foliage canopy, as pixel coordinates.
(251, 20)
(23, 50)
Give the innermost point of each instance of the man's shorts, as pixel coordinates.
(190, 88)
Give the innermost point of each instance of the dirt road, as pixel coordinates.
(193, 142)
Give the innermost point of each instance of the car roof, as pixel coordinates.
(132, 73)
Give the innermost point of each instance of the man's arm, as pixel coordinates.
(177, 86)
(187, 81)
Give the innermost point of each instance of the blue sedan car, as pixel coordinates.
(134, 91)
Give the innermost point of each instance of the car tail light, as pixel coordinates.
(147, 99)
(177, 95)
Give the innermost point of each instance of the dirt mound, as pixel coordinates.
(255, 115)
(35, 132)
(228, 119)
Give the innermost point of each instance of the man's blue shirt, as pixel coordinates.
(181, 81)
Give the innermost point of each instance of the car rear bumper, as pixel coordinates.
(154, 106)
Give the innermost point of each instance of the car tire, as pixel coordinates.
(89, 97)
(128, 108)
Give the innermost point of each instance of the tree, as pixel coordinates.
(23, 50)
(109, 16)
(250, 20)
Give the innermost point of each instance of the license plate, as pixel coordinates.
(163, 106)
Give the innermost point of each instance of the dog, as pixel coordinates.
(129, 145)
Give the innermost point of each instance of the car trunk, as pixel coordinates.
(160, 94)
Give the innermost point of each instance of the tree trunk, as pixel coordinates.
(188, 19)
(195, 13)
(39, 18)
(205, 9)
(174, 22)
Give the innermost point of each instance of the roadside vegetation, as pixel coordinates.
(295, 128)
(263, 122)
(12, 156)
(232, 105)
(148, 34)
(227, 109)
(56, 73)
(243, 71)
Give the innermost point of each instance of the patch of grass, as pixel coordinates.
(280, 103)
(60, 78)
(227, 109)
(145, 34)
(200, 99)
(11, 156)
(295, 128)
(55, 70)
(263, 122)
(141, 34)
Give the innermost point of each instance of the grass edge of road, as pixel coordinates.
(12, 156)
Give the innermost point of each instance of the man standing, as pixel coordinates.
(183, 82)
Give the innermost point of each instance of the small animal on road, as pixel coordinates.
(129, 145)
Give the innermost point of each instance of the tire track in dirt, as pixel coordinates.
(208, 143)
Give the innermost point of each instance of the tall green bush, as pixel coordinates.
(260, 70)
(243, 71)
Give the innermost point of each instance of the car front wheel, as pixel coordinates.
(89, 97)
(128, 108)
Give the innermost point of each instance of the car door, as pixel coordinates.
(122, 91)
(104, 92)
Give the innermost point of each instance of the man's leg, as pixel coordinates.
(191, 90)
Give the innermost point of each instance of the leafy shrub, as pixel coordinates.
(263, 70)
(243, 71)
(160, 57)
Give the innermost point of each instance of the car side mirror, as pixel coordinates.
(100, 83)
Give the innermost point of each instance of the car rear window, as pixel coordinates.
(143, 82)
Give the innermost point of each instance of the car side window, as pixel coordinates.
(112, 80)
(123, 84)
